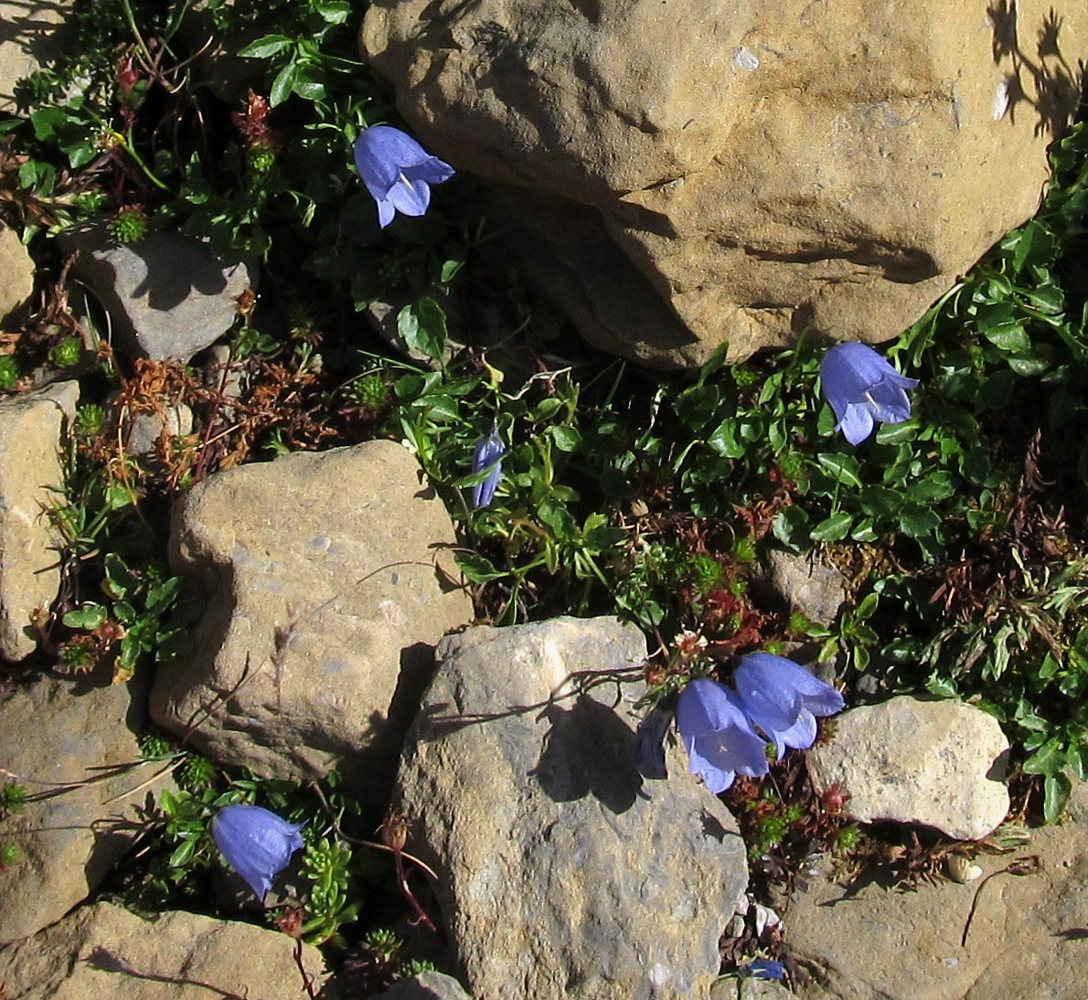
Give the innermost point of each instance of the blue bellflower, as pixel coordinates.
(256, 843)
(397, 171)
(863, 388)
(783, 699)
(717, 735)
(487, 454)
(765, 968)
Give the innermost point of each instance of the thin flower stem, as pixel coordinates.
(123, 142)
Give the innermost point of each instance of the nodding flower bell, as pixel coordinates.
(256, 843)
(782, 699)
(487, 454)
(397, 171)
(863, 388)
(717, 735)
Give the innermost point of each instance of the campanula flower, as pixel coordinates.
(256, 843)
(487, 454)
(397, 171)
(719, 739)
(649, 752)
(765, 968)
(783, 699)
(863, 388)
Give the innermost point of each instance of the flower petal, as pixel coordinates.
(856, 423)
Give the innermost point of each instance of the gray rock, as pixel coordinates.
(31, 477)
(78, 822)
(807, 585)
(16, 271)
(426, 986)
(696, 172)
(29, 40)
(941, 763)
(104, 951)
(1026, 938)
(562, 875)
(328, 582)
(168, 295)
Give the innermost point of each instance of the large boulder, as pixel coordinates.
(328, 581)
(561, 874)
(695, 172)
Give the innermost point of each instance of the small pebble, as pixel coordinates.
(961, 870)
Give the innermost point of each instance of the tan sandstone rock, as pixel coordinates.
(30, 480)
(16, 272)
(29, 40)
(328, 581)
(1026, 938)
(694, 172)
(104, 951)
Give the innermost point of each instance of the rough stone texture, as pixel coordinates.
(79, 822)
(104, 951)
(28, 40)
(562, 875)
(341, 555)
(427, 986)
(807, 585)
(168, 295)
(16, 270)
(1026, 939)
(941, 763)
(701, 171)
(30, 474)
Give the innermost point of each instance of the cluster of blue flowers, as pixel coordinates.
(727, 732)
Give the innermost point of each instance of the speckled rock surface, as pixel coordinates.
(695, 172)
(941, 763)
(561, 873)
(328, 582)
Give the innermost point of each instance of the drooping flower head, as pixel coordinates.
(256, 843)
(487, 454)
(717, 735)
(765, 968)
(863, 388)
(397, 171)
(782, 699)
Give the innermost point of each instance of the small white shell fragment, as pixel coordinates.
(745, 59)
(961, 870)
(1001, 100)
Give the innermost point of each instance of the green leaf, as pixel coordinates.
(477, 568)
(1049, 759)
(833, 528)
(423, 327)
(1010, 337)
(264, 47)
(88, 617)
(843, 468)
(283, 85)
(918, 522)
(1056, 790)
(565, 438)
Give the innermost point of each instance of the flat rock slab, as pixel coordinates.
(103, 951)
(16, 268)
(168, 295)
(1026, 939)
(689, 173)
(31, 480)
(561, 874)
(328, 580)
(940, 763)
(29, 40)
(68, 744)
